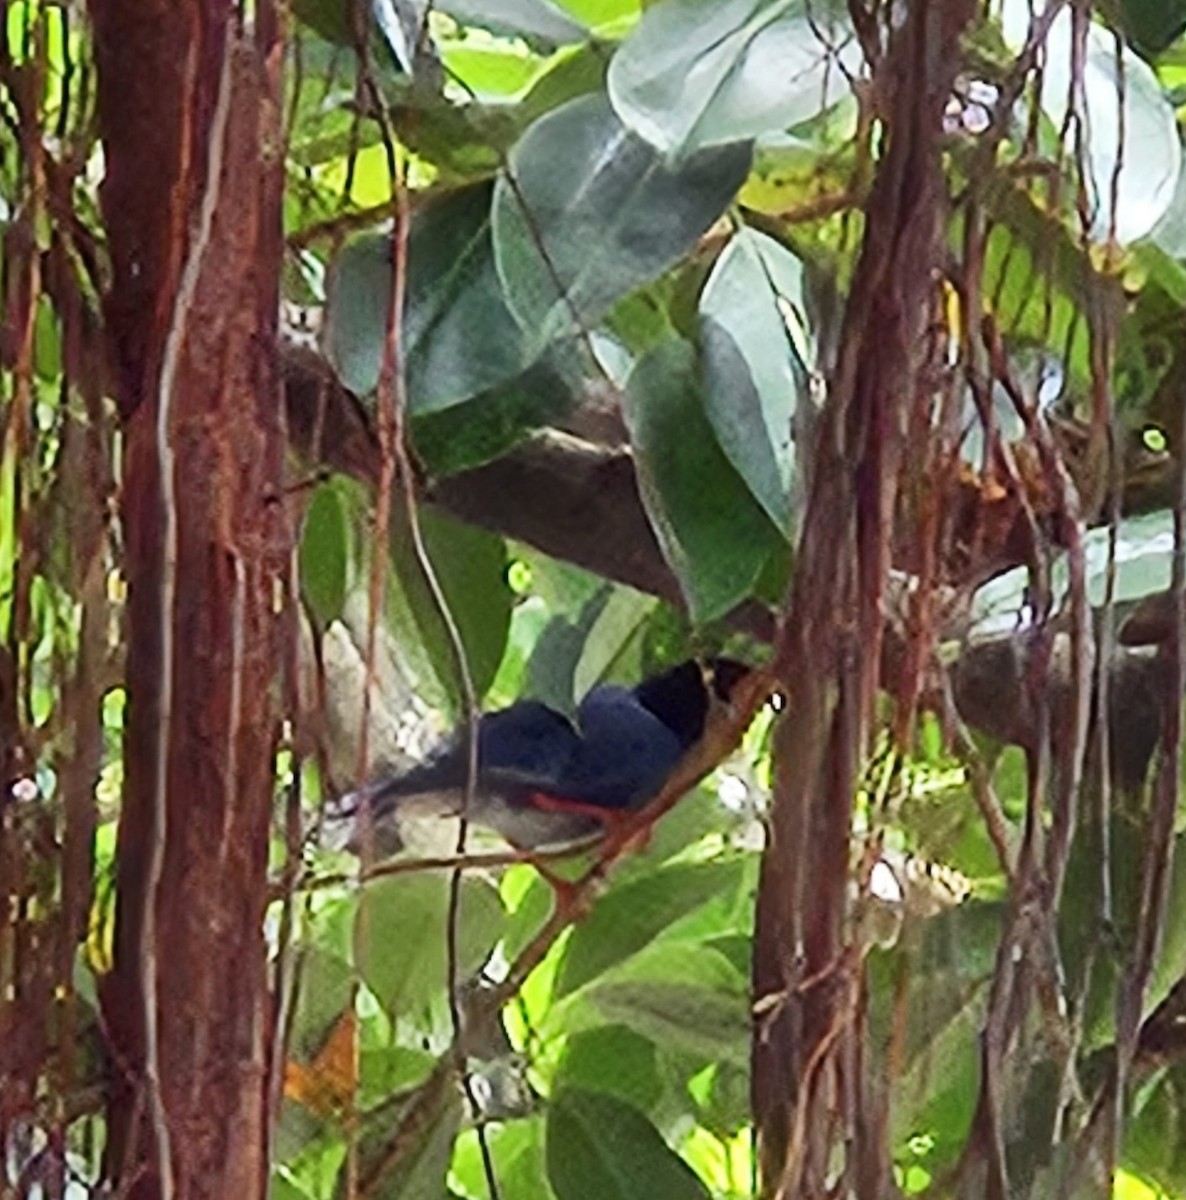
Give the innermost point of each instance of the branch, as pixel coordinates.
(578, 501)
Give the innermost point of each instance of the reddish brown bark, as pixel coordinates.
(811, 1094)
(190, 121)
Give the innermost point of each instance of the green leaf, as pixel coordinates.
(615, 1060)
(308, 1152)
(406, 1169)
(470, 567)
(726, 1109)
(698, 73)
(553, 662)
(391, 27)
(517, 1150)
(326, 554)
(47, 341)
(1083, 942)
(1128, 192)
(617, 625)
(388, 1069)
(948, 970)
(630, 917)
(488, 425)
(1144, 566)
(401, 934)
(498, 72)
(326, 989)
(401, 22)
(1036, 277)
(459, 339)
(597, 13)
(8, 532)
(285, 1189)
(1151, 25)
(1155, 1135)
(325, 124)
(532, 910)
(328, 18)
(541, 23)
(710, 1022)
(529, 618)
(683, 994)
(1170, 965)
(698, 815)
(575, 73)
(754, 369)
(601, 1149)
(586, 211)
(710, 528)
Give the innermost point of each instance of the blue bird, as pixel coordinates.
(545, 782)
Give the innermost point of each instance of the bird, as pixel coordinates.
(545, 782)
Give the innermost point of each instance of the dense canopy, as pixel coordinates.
(371, 364)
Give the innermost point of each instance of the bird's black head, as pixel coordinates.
(681, 697)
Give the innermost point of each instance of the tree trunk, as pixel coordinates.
(189, 107)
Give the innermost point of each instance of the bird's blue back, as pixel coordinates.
(624, 752)
(527, 744)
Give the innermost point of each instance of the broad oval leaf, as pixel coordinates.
(401, 935)
(1144, 566)
(948, 961)
(402, 24)
(326, 554)
(618, 627)
(1152, 25)
(586, 211)
(709, 1022)
(1155, 1138)
(632, 916)
(753, 348)
(491, 423)
(470, 567)
(516, 1149)
(1132, 147)
(598, 1148)
(712, 531)
(698, 73)
(613, 1059)
(606, 16)
(459, 339)
(396, 24)
(680, 993)
(540, 22)
(405, 1170)
(327, 991)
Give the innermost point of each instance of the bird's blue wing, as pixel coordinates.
(624, 754)
(528, 743)
(525, 746)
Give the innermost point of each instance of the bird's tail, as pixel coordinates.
(377, 805)
(380, 798)
(384, 805)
